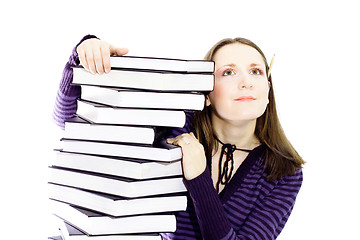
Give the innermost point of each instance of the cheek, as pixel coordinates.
(215, 94)
(220, 90)
(263, 91)
(264, 100)
(215, 97)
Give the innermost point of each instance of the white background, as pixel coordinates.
(315, 77)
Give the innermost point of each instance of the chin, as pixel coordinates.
(246, 116)
(240, 116)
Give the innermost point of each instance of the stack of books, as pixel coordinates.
(113, 177)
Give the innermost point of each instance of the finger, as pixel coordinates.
(122, 51)
(118, 51)
(105, 54)
(90, 60)
(187, 141)
(173, 141)
(82, 58)
(183, 139)
(98, 61)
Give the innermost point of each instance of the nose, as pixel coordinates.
(244, 81)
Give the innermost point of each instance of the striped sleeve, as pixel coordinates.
(65, 102)
(208, 207)
(265, 220)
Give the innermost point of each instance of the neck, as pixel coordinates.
(239, 133)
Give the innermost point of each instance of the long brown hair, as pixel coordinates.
(281, 158)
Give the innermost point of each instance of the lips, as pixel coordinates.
(245, 99)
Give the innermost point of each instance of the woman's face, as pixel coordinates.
(241, 85)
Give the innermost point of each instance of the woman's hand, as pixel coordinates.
(94, 55)
(194, 160)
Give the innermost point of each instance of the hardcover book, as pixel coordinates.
(162, 64)
(93, 223)
(117, 166)
(69, 232)
(77, 128)
(155, 81)
(160, 152)
(102, 114)
(114, 185)
(143, 99)
(118, 206)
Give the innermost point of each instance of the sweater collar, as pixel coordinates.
(252, 159)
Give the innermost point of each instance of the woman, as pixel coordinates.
(241, 172)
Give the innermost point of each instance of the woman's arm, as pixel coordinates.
(265, 221)
(94, 55)
(65, 102)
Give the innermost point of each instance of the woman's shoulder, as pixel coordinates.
(293, 179)
(259, 169)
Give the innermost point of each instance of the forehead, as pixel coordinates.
(239, 54)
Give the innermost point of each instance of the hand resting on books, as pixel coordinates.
(94, 55)
(194, 160)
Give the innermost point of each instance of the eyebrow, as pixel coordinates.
(233, 65)
(255, 65)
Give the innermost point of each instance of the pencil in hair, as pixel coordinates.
(271, 64)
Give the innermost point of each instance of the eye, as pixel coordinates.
(256, 71)
(228, 72)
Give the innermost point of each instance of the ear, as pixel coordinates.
(207, 101)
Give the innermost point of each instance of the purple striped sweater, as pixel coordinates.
(249, 207)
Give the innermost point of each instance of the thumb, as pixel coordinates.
(193, 135)
(118, 51)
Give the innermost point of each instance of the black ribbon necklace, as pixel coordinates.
(224, 173)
